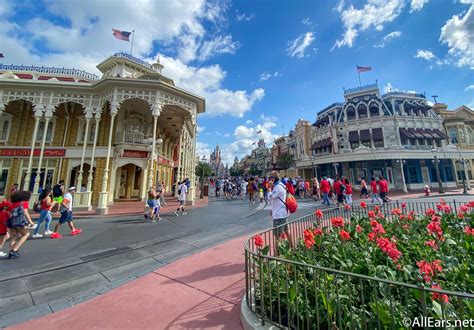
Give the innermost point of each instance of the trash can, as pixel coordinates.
(205, 191)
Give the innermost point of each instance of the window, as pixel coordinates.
(82, 132)
(453, 135)
(378, 144)
(421, 142)
(404, 142)
(3, 181)
(301, 148)
(412, 142)
(413, 174)
(368, 144)
(5, 122)
(354, 145)
(41, 131)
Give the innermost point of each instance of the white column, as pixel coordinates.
(40, 161)
(103, 194)
(84, 146)
(91, 170)
(178, 172)
(403, 177)
(38, 115)
(151, 170)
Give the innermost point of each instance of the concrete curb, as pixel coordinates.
(250, 321)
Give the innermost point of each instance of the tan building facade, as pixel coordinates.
(112, 136)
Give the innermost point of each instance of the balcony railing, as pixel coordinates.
(49, 70)
(131, 137)
(134, 59)
(412, 147)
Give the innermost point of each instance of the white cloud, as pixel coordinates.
(389, 88)
(340, 6)
(200, 129)
(425, 54)
(248, 122)
(298, 46)
(469, 88)
(417, 5)
(375, 14)
(226, 135)
(244, 17)
(306, 21)
(388, 38)
(218, 45)
(207, 81)
(458, 35)
(266, 75)
(203, 149)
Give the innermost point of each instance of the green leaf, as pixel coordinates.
(292, 293)
(449, 241)
(437, 309)
(265, 250)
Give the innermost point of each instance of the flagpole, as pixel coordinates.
(358, 73)
(131, 46)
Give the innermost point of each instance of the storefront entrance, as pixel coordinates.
(128, 182)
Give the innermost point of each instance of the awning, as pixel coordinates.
(424, 133)
(416, 134)
(328, 142)
(377, 134)
(353, 136)
(433, 134)
(440, 133)
(315, 145)
(405, 134)
(365, 135)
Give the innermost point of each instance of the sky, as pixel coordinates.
(261, 65)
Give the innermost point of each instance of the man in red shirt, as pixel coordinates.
(383, 186)
(374, 195)
(324, 188)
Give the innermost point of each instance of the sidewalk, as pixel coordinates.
(203, 290)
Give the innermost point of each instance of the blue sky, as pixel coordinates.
(260, 64)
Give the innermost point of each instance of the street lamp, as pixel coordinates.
(438, 177)
(465, 186)
(402, 162)
(202, 177)
(335, 169)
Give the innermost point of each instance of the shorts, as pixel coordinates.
(363, 191)
(3, 229)
(182, 203)
(156, 210)
(151, 203)
(58, 199)
(66, 216)
(279, 226)
(340, 198)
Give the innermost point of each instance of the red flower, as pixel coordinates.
(430, 212)
(358, 228)
(389, 247)
(363, 204)
(337, 221)
(469, 231)
(371, 214)
(283, 236)
(318, 213)
(434, 227)
(347, 207)
(441, 297)
(406, 226)
(371, 236)
(308, 238)
(404, 205)
(432, 244)
(464, 208)
(410, 217)
(258, 240)
(429, 270)
(344, 235)
(471, 204)
(436, 265)
(317, 232)
(461, 215)
(396, 211)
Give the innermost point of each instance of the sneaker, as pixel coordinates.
(76, 232)
(33, 226)
(56, 235)
(3, 254)
(176, 213)
(48, 232)
(37, 236)
(145, 215)
(184, 213)
(13, 255)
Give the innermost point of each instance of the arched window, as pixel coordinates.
(301, 148)
(374, 109)
(41, 131)
(453, 135)
(5, 127)
(469, 136)
(362, 110)
(351, 114)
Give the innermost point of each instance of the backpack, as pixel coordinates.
(37, 206)
(57, 191)
(290, 202)
(254, 186)
(17, 217)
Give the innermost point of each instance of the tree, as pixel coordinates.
(203, 170)
(284, 161)
(236, 172)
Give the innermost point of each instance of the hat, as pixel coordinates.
(71, 188)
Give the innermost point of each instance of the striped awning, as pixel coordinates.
(433, 134)
(424, 133)
(416, 134)
(365, 135)
(353, 136)
(440, 133)
(405, 134)
(377, 134)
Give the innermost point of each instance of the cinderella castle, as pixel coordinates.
(216, 164)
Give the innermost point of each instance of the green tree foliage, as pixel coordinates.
(201, 168)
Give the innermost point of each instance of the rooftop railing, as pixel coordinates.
(360, 89)
(398, 93)
(49, 70)
(134, 59)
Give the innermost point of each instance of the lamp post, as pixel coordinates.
(438, 177)
(335, 169)
(405, 189)
(201, 196)
(465, 183)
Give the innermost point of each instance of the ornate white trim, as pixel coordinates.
(140, 162)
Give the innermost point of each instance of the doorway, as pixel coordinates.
(129, 179)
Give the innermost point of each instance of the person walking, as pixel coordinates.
(47, 203)
(383, 188)
(373, 191)
(66, 215)
(279, 212)
(252, 187)
(19, 222)
(182, 191)
(363, 188)
(4, 235)
(58, 192)
(151, 201)
(316, 195)
(243, 189)
(348, 186)
(162, 194)
(325, 188)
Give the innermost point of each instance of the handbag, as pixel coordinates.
(18, 218)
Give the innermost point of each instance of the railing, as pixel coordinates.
(132, 137)
(410, 94)
(49, 70)
(412, 147)
(360, 89)
(307, 296)
(134, 59)
(336, 104)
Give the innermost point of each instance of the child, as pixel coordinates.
(260, 195)
(427, 190)
(156, 209)
(4, 236)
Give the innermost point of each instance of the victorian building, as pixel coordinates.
(396, 135)
(111, 136)
(459, 125)
(259, 160)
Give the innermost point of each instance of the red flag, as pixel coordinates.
(121, 35)
(363, 69)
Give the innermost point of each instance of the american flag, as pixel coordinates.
(254, 143)
(121, 35)
(259, 132)
(363, 69)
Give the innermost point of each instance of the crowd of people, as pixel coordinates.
(16, 222)
(338, 190)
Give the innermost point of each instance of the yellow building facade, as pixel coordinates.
(112, 137)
